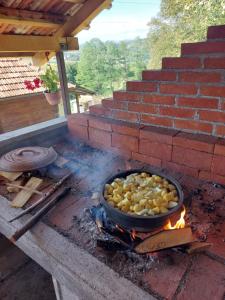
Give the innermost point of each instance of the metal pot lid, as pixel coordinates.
(27, 159)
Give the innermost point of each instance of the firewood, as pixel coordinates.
(11, 176)
(197, 247)
(23, 196)
(165, 239)
(13, 188)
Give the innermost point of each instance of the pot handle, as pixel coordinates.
(21, 151)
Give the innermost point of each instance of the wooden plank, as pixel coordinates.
(23, 196)
(28, 22)
(165, 239)
(11, 176)
(32, 15)
(197, 247)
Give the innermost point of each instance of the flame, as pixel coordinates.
(133, 234)
(99, 225)
(179, 224)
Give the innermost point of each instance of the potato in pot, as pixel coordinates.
(141, 194)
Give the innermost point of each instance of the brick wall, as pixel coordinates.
(21, 111)
(173, 118)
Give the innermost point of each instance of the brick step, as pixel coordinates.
(182, 76)
(216, 32)
(209, 48)
(192, 63)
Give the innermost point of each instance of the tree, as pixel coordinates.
(71, 71)
(181, 21)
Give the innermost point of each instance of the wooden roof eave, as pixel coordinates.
(65, 27)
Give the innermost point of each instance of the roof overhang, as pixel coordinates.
(42, 27)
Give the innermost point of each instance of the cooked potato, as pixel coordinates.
(142, 194)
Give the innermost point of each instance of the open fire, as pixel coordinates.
(179, 224)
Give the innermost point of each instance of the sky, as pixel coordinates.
(127, 19)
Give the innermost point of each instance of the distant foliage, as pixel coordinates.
(106, 66)
(181, 21)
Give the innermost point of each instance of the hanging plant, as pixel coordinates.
(50, 81)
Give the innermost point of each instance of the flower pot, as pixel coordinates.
(53, 98)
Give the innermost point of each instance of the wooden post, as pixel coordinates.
(77, 102)
(63, 82)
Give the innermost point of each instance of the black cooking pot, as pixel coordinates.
(142, 223)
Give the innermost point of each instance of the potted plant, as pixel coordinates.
(50, 81)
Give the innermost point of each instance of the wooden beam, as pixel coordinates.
(66, 44)
(29, 43)
(84, 16)
(63, 82)
(76, 23)
(20, 45)
(29, 15)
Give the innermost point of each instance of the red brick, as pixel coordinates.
(100, 123)
(204, 175)
(121, 152)
(153, 120)
(158, 150)
(200, 76)
(218, 164)
(164, 277)
(158, 99)
(176, 112)
(192, 158)
(220, 130)
(140, 107)
(216, 32)
(124, 115)
(80, 132)
(159, 75)
(205, 280)
(99, 110)
(125, 142)
(79, 119)
(147, 159)
(223, 105)
(110, 103)
(195, 141)
(203, 47)
(215, 91)
(182, 89)
(100, 136)
(125, 128)
(214, 62)
(141, 86)
(160, 135)
(220, 147)
(180, 168)
(181, 63)
(126, 96)
(193, 125)
(198, 102)
(213, 116)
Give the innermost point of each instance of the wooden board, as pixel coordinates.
(23, 196)
(197, 247)
(12, 176)
(165, 239)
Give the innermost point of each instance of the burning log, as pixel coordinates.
(197, 247)
(165, 239)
